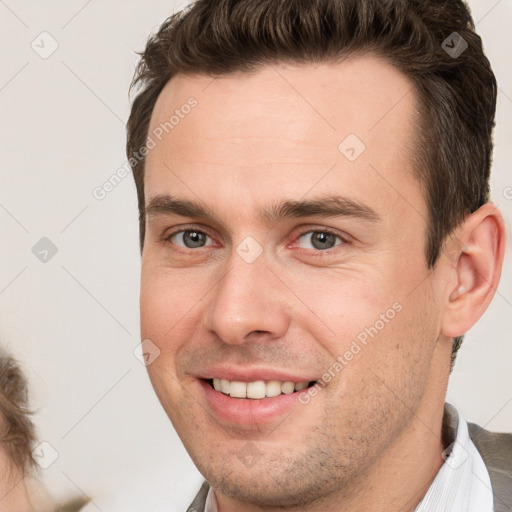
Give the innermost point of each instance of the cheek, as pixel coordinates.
(395, 354)
(160, 334)
(171, 309)
(369, 322)
(169, 303)
(160, 325)
(340, 306)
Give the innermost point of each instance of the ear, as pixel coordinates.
(477, 249)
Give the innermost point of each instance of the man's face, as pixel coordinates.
(298, 255)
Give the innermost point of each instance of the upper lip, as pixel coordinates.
(251, 374)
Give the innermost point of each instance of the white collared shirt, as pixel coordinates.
(462, 484)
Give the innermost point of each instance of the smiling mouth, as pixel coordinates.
(257, 390)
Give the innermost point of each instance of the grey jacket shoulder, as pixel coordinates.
(200, 500)
(496, 451)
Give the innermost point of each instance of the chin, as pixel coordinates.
(267, 489)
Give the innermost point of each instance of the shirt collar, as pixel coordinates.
(462, 482)
(211, 502)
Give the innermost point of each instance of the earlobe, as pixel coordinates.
(477, 268)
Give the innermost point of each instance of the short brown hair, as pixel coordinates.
(17, 433)
(456, 91)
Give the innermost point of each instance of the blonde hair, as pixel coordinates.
(17, 432)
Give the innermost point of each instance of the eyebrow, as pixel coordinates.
(328, 206)
(168, 205)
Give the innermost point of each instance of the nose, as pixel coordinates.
(248, 303)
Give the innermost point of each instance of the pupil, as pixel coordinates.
(323, 240)
(193, 239)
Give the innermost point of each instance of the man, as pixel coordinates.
(316, 239)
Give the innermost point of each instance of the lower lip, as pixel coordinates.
(247, 411)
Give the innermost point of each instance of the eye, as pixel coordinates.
(190, 239)
(319, 240)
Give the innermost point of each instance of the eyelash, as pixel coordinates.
(344, 239)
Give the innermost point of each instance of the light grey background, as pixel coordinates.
(73, 320)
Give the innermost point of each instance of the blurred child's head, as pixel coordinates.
(20, 490)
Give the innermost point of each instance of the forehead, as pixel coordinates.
(280, 129)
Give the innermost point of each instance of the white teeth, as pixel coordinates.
(225, 385)
(273, 388)
(288, 387)
(258, 389)
(238, 389)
